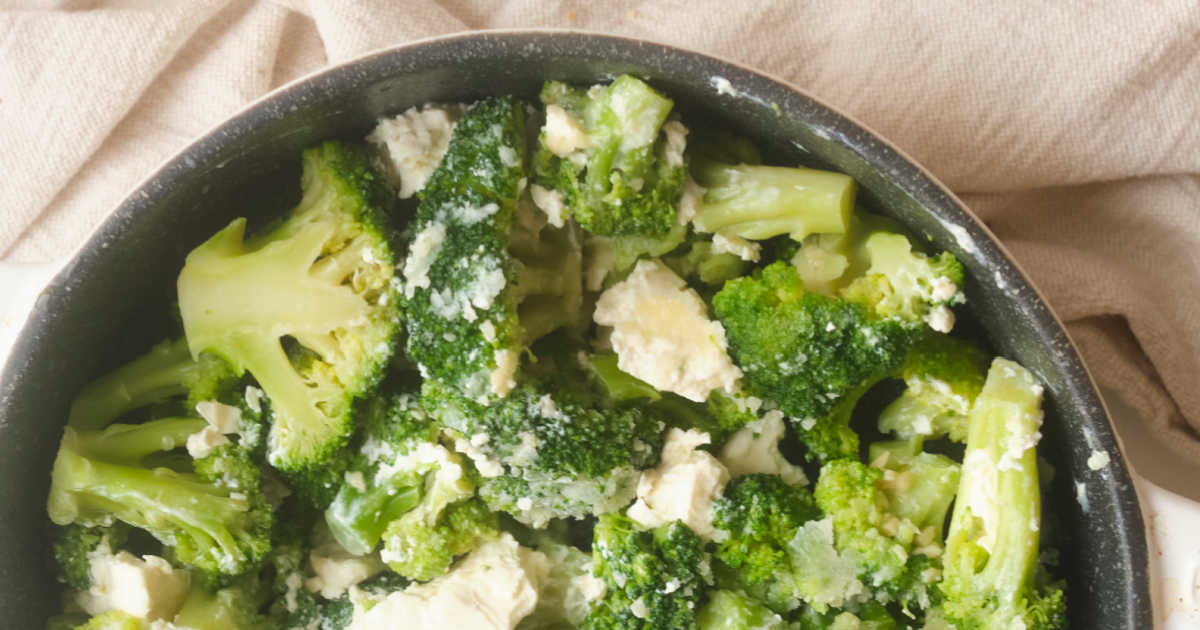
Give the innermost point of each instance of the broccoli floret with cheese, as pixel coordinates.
(759, 202)
(167, 372)
(907, 284)
(549, 449)
(759, 516)
(731, 610)
(484, 277)
(992, 577)
(75, 545)
(811, 354)
(653, 578)
(213, 518)
(374, 490)
(569, 590)
(613, 157)
(423, 543)
(307, 306)
(942, 376)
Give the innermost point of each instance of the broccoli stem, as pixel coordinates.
(357, 519)
(154, 376)
(759, 202)
(129, 443)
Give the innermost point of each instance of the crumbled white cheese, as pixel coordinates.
(491, 589)
(736, 245)
(424, 251)
(337, 570)
(962, 237)
(639, 609)
(755, 449)
(201, 443)
(294, 583)
(1098, 460)
(689, 201)
(148, 588)
(487, 466)
(944, 290)
(723, 86)
(551, 202)
(355, 480)
(504, 378)
(414, 143)
(683, 486)
(563, 133)
(254, 395)
(676, 135)
(223, 418)
(662, 333)
(941, 319)
(470, 215)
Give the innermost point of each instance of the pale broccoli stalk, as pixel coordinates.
(165, 372)
(322, 278)
(760, 202)
(731, 610)
(992, 578)
(614, 158)
(214, 519)
(233, 607)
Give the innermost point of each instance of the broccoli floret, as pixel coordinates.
(74, 544)
(167, 371)
(565, 596)
(992, 578)
(919, 486)
(308, 307)
(618, 385)
(550, 449)
(731, 610)
(811, 354)
(907, 284)
(653, 578)
(423, 543)
(870, 616)
(613, 156)
(375, 491)
(720, 416)
(848, 493)
(942, 377)
(759, 516)
(213, 519)
(760, 202)
(711, 268)
(481, 284)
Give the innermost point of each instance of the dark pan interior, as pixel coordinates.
(106, 306)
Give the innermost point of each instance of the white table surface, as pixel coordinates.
(1168, 485)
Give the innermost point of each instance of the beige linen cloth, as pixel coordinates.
(1072, 128)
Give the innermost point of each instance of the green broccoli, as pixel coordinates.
(731, 610)
(992, 578)
(75, 543)
(811, 354)
(166, 371)
(654, 578)
(942, 377)
(758, 515)
(565, 597)
(550, 449)
(213, 519)
(848, 493)
(711, 268)
(114, 620)
(760, 202)
(423, 543)
(480, 284)
(907, 284)
(614, 158)
(234, 607)
(308, 306)
(375, 491)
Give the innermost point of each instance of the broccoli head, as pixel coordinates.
(907, 284)
(613, 157)
(757, 516)
(992, 578)
(653, 578)
(233, 607)
(731, 610)
(550, 450)
(75, 543)
(213, 518)
(942, 377)
(811, 354)
(483, 278)
(308, 306)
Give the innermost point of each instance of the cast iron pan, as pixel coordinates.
(107, 304)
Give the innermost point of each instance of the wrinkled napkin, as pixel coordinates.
(1070, 128)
